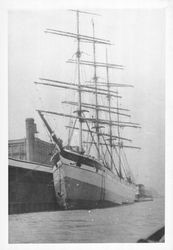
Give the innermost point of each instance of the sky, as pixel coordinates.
(138, 36)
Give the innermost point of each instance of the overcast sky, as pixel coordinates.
(138, 36)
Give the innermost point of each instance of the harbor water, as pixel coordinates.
(119, 224)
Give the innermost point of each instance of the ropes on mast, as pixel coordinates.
(97, 136)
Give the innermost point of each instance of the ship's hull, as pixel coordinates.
(85, 188)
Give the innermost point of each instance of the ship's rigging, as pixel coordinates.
(103, 133)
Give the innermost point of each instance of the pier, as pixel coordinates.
(30, 187)
(30, 173)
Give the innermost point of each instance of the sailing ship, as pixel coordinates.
(93, 173)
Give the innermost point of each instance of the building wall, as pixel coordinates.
(17, 149)
(31, 148)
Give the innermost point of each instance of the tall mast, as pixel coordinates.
(119, 141)
(80, 38)
(78, 55)
(93, 90)
(109, 108)
(96, 95)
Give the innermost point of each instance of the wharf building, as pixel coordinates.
(30, 175)
(31, 148)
